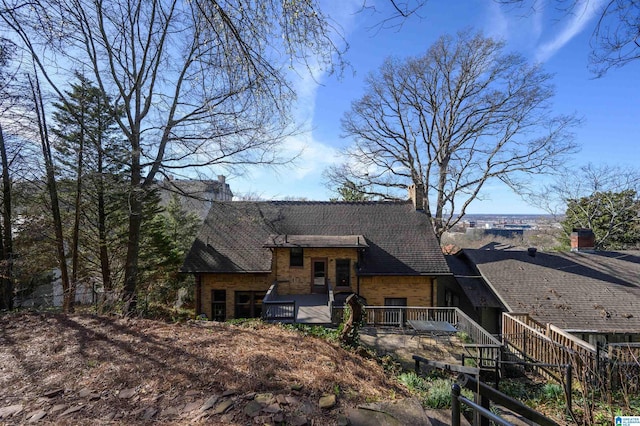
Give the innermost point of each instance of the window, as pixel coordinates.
(218, 305)
(451, 298)
(296, 256)
(343, 272)
(249, 304)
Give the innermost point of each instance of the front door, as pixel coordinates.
(319, 276)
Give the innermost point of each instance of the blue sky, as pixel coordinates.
(610, 105)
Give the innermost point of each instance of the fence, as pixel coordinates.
(277, 310)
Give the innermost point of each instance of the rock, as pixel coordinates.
(10, 411)
(84, 393)
(292, 400)
(36, 416)
(264, 398)
(54, 392)
(72, 410)
(327, 401)
(396, 413)
(192, 406)
(228, 393)
(296, 387)
(298, 421)
(282, 399)
(278, 418)
(272, 409)
(263, 420)
(342, 420)
(57, 408)
(223, 406)
(149, 413)
(191, 393)
(209, 403)
(170, 412)
(126, 393)
(252, 409)
(306, 408)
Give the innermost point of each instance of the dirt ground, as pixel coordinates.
(87, 369)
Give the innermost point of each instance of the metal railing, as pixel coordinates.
(274, 310)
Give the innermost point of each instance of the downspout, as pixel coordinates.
(198, 278)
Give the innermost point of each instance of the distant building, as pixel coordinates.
(196, 195)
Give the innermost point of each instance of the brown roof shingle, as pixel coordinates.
(400, 239)
(597, 292)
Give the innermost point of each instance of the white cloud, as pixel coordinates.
(581, 14)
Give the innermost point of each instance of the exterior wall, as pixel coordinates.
(297, 280)
(231, 283)
(417, 289)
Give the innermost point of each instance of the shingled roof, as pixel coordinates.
(580, 292)
(399, 239)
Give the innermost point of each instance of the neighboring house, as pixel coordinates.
(386, 252)
(592, 295)
(195, 195)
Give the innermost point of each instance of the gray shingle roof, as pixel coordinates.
(575, 291)
(400, 239)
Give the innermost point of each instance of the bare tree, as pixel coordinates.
(449, 121)
(201, 83)
(603, 198)
(615, 37)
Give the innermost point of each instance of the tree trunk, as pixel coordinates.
(133, 244)
(75, 244)
(102, 228)
(6, 300)
(67, 304)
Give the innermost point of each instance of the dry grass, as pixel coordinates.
(169, 366)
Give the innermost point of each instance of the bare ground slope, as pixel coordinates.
(86, 369)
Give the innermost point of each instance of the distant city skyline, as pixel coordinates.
(609, 105)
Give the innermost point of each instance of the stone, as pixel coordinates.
(149, 413)
(54, 392)
(395, 413)
(278, 417)
(282, 399)
(228, 393)
(192, 406)
(36, 416)
(292, 400)
(296, 387)
(327, 401)
(223, 406)
(10, 411)
(263, 420)
(126, 393)
(84, 393)
(252, 409)
(272, 409)
(191, 393)
(298, 421)
(306, 408)
(72, 410)
(264, 398)
(57, 408)
(209, 403)
(342, 420)
(170, 411)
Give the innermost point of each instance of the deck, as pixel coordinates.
(309, 308)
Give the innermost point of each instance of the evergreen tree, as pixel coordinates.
(612, 216)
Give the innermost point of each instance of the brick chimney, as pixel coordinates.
(416, 195)
(582, 239)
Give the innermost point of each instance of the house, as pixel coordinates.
(195, 195)
(386, 252)
(592, 295)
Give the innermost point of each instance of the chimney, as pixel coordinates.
(416, 195)
(582, 239)
(221, 179)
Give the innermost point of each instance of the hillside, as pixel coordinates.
(86, 369)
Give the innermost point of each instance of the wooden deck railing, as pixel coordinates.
(550, 345)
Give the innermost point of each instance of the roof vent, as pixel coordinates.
(531, 251)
